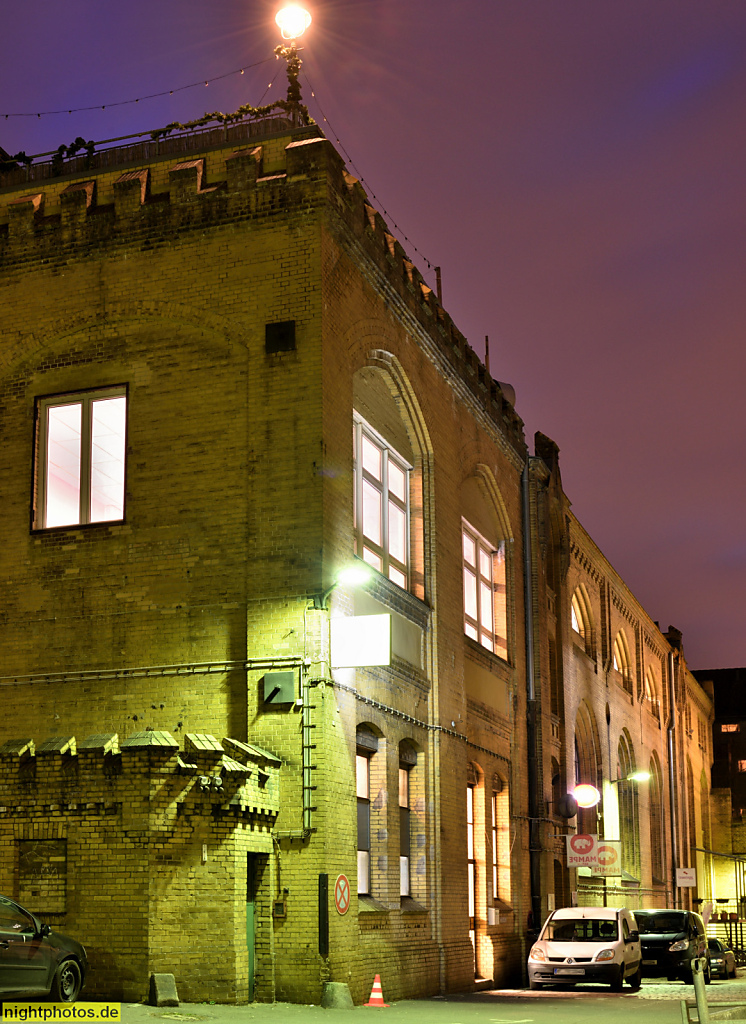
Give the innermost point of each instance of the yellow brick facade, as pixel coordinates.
(159, 271)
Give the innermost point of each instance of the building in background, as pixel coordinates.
(223, 384)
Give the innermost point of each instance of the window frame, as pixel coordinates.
(497, 555)
(363, 807)
(85, 398)
(381, 558)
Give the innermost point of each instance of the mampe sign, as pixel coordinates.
(603, 856)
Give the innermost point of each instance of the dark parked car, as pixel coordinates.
(670, 940)
(34, 960)
(722, 959)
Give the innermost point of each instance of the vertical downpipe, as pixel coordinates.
(534, 838)
(673, 807)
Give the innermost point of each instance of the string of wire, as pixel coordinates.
(366, 186)
(150, 96)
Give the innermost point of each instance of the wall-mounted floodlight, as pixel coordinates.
(586, 795)
(293, 21)
(354, 575)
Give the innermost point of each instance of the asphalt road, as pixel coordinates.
(658, 1002)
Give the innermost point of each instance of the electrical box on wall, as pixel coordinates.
(279, 909)
(280, 688)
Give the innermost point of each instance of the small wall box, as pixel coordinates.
(279, 688)
(280, 909)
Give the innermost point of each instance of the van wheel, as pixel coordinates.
(635, 980)
(616, 983)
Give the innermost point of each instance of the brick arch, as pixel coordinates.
(28, 347)
(422, 539)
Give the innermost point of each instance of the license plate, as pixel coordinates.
(650, 963)
(569, 970)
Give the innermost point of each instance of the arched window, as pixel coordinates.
(655, 815)
(581, 619)
(622, 661)
(390, 454)
(587, 766)
(650, 691)
(500, 840)
(628, 806)
(485, 546)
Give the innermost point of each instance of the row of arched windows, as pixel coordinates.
(581, 619)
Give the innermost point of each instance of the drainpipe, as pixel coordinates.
(673, 808)
(534, 837)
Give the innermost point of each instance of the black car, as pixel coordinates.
(722, 959)
(670, 940)
(34, 960)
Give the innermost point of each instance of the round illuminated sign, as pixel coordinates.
(586, 795)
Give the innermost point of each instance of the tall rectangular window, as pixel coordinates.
(404, 832)
(80, 458)
(485, 604)
(381, 504)
(362, 765)
(493, 836)
(471, 870)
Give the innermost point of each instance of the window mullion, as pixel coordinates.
(385, 509)
(85, 459)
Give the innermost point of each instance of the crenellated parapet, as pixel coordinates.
(101, 776)
(112, 208)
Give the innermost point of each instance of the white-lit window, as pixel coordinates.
(362, 765)
(485, 609)
(404, 831)
(730, 727)
(381, 505)
(742, 766)
(81, 458)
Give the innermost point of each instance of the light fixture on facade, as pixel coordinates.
(586, 795)
(354, 575)
(293, 21)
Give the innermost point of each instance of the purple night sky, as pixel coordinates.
(578, 170)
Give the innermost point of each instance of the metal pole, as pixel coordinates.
(703, 1011)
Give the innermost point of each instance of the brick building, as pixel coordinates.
(222, 382)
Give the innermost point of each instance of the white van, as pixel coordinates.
(587, 944)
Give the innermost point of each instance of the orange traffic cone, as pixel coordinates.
(376, 994)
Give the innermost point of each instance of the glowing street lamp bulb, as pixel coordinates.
(293, 21)
(586, 795)
(639, 777)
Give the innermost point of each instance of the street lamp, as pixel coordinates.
(634, 777)
(292, 21)
(586, 795)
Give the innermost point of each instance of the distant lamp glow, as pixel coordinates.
(639, 777)
(586, 795)
(293, 21)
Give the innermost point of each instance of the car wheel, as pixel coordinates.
(534, 985)
(730, 974)
(616, 983)
(635, 980)
(67, 982)
(708, 974)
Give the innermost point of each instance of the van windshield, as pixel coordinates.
(670, 923)
(588, 929)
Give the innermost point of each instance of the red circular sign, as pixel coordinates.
(581, 843)
(607, 855)
(342, 894)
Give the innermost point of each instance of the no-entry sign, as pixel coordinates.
(342, 894)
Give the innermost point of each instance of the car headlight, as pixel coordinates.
(716, 960)
(677, 947)
(605, 954)
(537, 953)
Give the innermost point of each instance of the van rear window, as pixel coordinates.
(589, 929)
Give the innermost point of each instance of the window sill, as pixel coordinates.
(400, 600)
(410, 906)
(368, 905)
(490, 659)
(41, 531)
